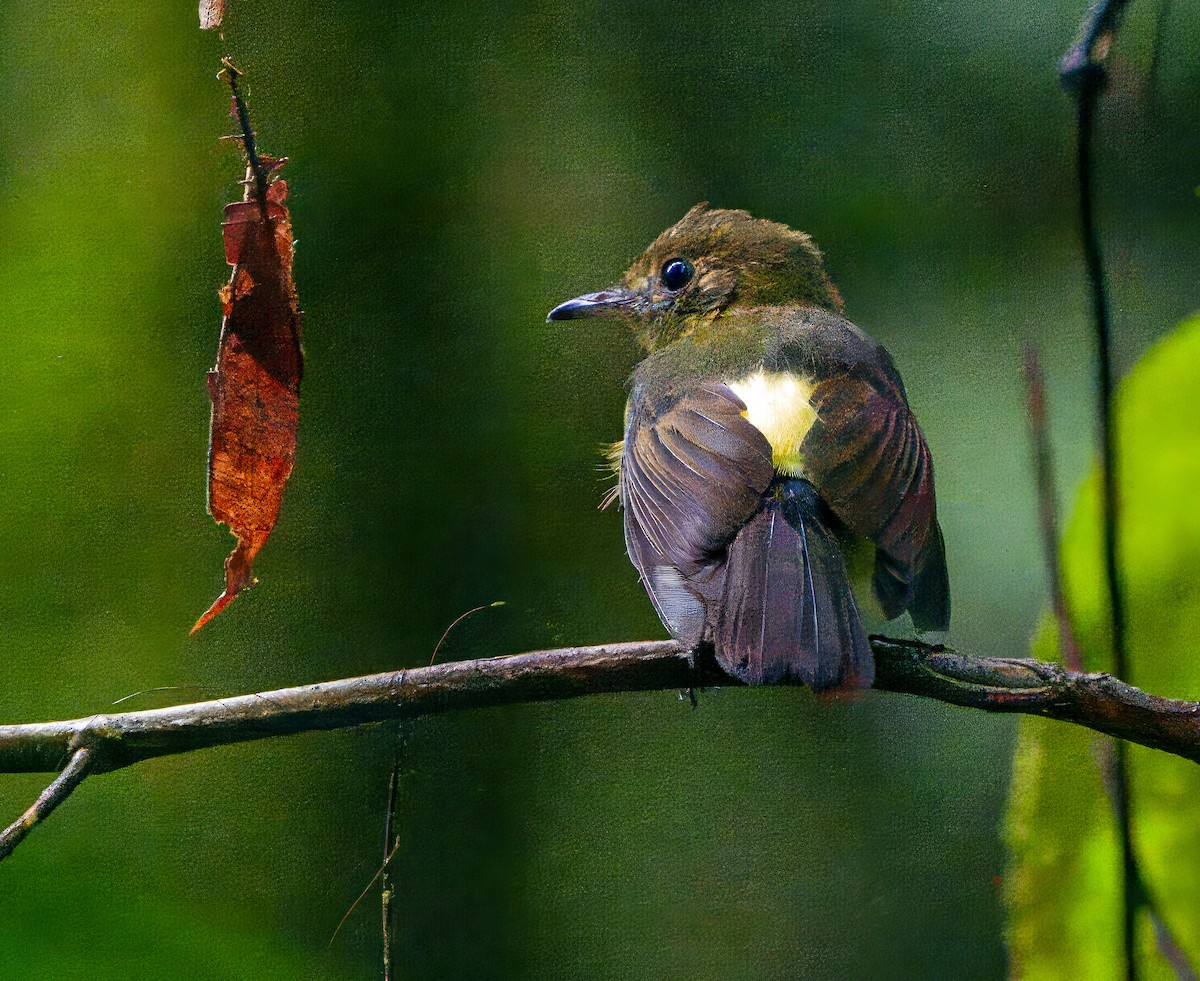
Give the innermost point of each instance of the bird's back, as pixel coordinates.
(750, 446)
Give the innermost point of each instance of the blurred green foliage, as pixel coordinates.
(456, 170)
(1065, 889)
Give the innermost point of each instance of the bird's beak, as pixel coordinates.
(606, 303)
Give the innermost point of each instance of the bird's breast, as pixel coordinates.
(779, 405)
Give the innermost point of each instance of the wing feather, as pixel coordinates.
(692, 472)
(871, 465)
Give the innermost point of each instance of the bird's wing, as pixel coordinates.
(869, 461)
(692, 472)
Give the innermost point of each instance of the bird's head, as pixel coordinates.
(709, 262)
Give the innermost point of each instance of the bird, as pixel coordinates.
(766, 440)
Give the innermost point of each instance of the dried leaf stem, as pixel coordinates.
(258, 171)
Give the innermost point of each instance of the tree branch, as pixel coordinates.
(58, 791)
(101, 743)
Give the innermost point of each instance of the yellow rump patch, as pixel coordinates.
(779, 405)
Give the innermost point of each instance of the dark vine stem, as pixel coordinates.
(1083, 74)
(1043, 461)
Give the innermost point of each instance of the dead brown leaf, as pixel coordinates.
(255, 388)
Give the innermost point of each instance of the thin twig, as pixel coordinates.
(230, 73)
(391, 842)
(58, 791)
(366, 889)
(156, 691)
(455, 622)
(1047, 493)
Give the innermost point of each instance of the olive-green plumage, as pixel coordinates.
(764, 431)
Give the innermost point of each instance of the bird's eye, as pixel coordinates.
(677, 273)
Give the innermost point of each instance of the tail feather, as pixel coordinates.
(787, 613)
(922, 588)
(891, 585)
(930, 605)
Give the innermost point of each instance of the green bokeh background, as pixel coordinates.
(456, 170)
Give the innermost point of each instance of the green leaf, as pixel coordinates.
(1063, 886)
